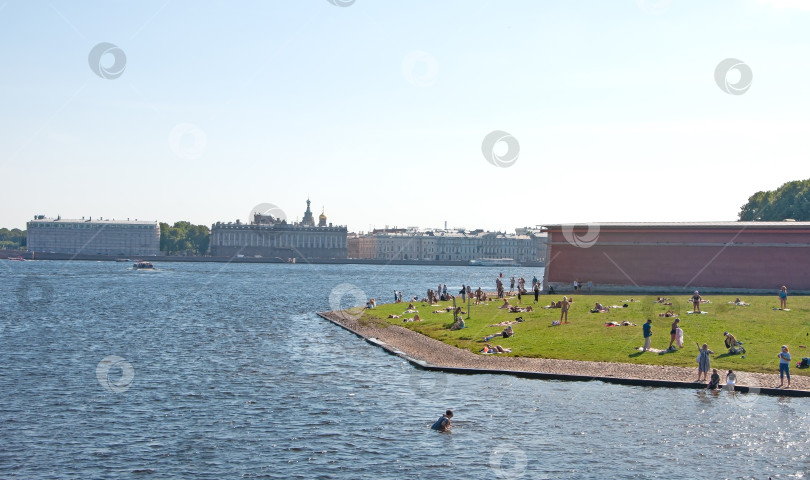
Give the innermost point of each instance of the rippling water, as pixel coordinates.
(224, 371)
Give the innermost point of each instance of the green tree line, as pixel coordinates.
(13, 239)
(791, 200)
(183, 237)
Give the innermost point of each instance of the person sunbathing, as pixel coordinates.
(411, 310)
(505, 304)
(414, 319)
(393, 316)
(410, 306)
(506, 333)
(490, 350)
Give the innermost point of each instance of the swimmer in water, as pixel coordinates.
(443, 423)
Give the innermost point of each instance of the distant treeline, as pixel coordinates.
(183, 237)
(13, 239)
(791, 200)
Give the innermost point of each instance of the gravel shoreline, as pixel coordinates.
(436, 353)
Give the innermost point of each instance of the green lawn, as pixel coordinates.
(761, 329)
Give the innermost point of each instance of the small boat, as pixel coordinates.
(16, 259)
(495, 262)
(121, 259)
(141, 265)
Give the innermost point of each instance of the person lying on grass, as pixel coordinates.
(506, 333)
(489, 349)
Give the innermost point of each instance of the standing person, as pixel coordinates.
(536, 291)
(696, 302)
(511, 285)
(673, 332)
(783, 298)
(784, 365)
(443, 423)
(731, 380)
(576, 285)
(463, 293)
(564, 309)
(396, 296)
(590, 286)
(534, 281)
(704, 362)
(647, 328)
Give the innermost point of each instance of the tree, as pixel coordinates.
(183, 237)
(13, 239)
(791, 200)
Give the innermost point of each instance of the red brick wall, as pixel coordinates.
(680, 258)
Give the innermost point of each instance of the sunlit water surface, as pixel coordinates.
(224, 371)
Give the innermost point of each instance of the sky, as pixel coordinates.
(478, 113)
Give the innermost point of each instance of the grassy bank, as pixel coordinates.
(761, 329)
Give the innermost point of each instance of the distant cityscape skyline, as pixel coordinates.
(491, 115)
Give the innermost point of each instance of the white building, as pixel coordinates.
(446, 245)
(93, 237)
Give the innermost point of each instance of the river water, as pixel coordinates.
(224, 371)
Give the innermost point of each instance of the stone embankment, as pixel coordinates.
(428, 353)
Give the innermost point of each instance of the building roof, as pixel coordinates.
(683, 225)
(99, 221)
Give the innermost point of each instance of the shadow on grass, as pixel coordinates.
(724, 355)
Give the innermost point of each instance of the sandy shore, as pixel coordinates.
(436, 353)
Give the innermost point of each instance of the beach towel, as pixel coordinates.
(679, 337)
(652, 350)
(692, 313)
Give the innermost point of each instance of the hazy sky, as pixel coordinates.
(378, 109)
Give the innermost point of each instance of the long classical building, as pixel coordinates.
(270, 237)
(447, 245)
(93, 237)
(657, 257)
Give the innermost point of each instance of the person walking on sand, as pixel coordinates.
(704, 362)
(443, 423)
(564, 309)
(784, 365)
(647, 328)
(673, 332)
(783, 298)
(696, 302)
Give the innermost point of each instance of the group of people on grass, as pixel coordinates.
(703, 359)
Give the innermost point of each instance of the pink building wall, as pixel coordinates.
(741, 256)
